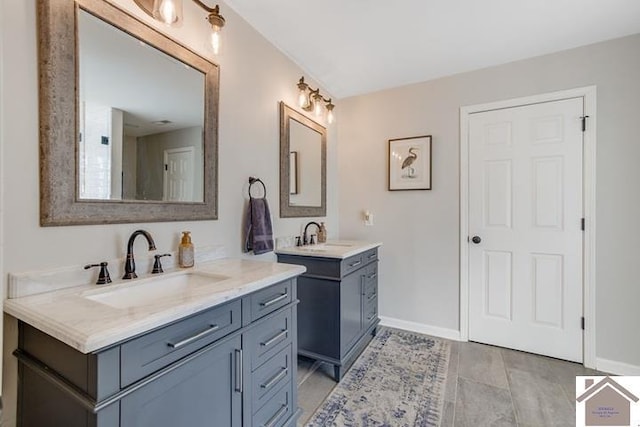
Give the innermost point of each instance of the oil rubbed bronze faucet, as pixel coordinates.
(130, 265)
(306, 241)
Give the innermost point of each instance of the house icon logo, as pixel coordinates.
(607, 402)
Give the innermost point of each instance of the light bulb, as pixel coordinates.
(302, 98)
(217, 22)
(317, 108)
(167, 11)
(215, 39)
(330, 117)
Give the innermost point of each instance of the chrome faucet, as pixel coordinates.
(305, 241)
(130, 265)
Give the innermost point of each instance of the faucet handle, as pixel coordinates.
(103, 276)
(157, 265)
(312, 241)
(298, 243)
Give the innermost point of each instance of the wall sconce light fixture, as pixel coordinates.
(169, 12)
(310, 99)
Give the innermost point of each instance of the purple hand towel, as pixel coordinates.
(258, 230)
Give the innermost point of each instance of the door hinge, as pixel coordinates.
(584, 122)
(166, 167)
(582, 224)
(582, 322)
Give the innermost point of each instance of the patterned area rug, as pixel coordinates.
(397, 381)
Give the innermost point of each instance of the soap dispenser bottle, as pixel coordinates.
(185, 251)
(322, 233)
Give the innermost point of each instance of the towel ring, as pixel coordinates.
(252, 181)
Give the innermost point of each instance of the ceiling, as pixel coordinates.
(353, 47)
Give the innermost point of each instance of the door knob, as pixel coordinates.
(476, 239)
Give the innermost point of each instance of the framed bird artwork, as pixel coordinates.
(410, 163)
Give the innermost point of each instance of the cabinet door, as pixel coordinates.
(202, 392)
(351, 310)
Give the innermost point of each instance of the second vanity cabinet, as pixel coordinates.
(230, 365)
(338, 311)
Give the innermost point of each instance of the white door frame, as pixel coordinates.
(588, 94)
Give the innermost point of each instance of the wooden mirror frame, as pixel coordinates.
(58, 79)
(286, 210)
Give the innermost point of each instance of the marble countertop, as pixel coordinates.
(331, 249)
(88, 325)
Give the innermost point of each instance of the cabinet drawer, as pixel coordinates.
(269, 337)
(351, 264)
(277, 410)
(194, 394)
(151, 352)
(370, 311)
(371, 281)
(371, 276)
(371, 293)
(370, 256)
(270, 299)
(271, 376)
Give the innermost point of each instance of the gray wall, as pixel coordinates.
(419, 278)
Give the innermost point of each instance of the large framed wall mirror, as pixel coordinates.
(128, 120)
(303, 165)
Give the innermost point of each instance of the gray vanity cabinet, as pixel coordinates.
(338, 310)
(232, 365)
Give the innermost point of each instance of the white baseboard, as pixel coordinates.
(450, 334)
(618, 368)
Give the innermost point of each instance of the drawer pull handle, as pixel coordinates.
(353, 264)
(274, 420)
(209, 330)
(275, 300)
(372, 296)
(239, 368)
(281, 334)
(372, 256)
(276, 378)
(373, 276)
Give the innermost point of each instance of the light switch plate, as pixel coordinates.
(368, 218)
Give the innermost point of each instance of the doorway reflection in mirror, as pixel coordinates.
(141, 118)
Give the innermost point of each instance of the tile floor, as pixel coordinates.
(486, 386)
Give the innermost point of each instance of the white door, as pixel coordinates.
(178, 174)
(525, 210)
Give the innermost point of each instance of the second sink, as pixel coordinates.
(323, 247)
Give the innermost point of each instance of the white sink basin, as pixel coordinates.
(313, 248)
(153, 290)
(324, 247)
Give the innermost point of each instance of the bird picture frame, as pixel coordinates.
(410, 163)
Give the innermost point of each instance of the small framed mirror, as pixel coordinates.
(303, 165)
(128, 120)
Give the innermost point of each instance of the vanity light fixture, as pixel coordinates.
(310, 99)
(169, 12)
